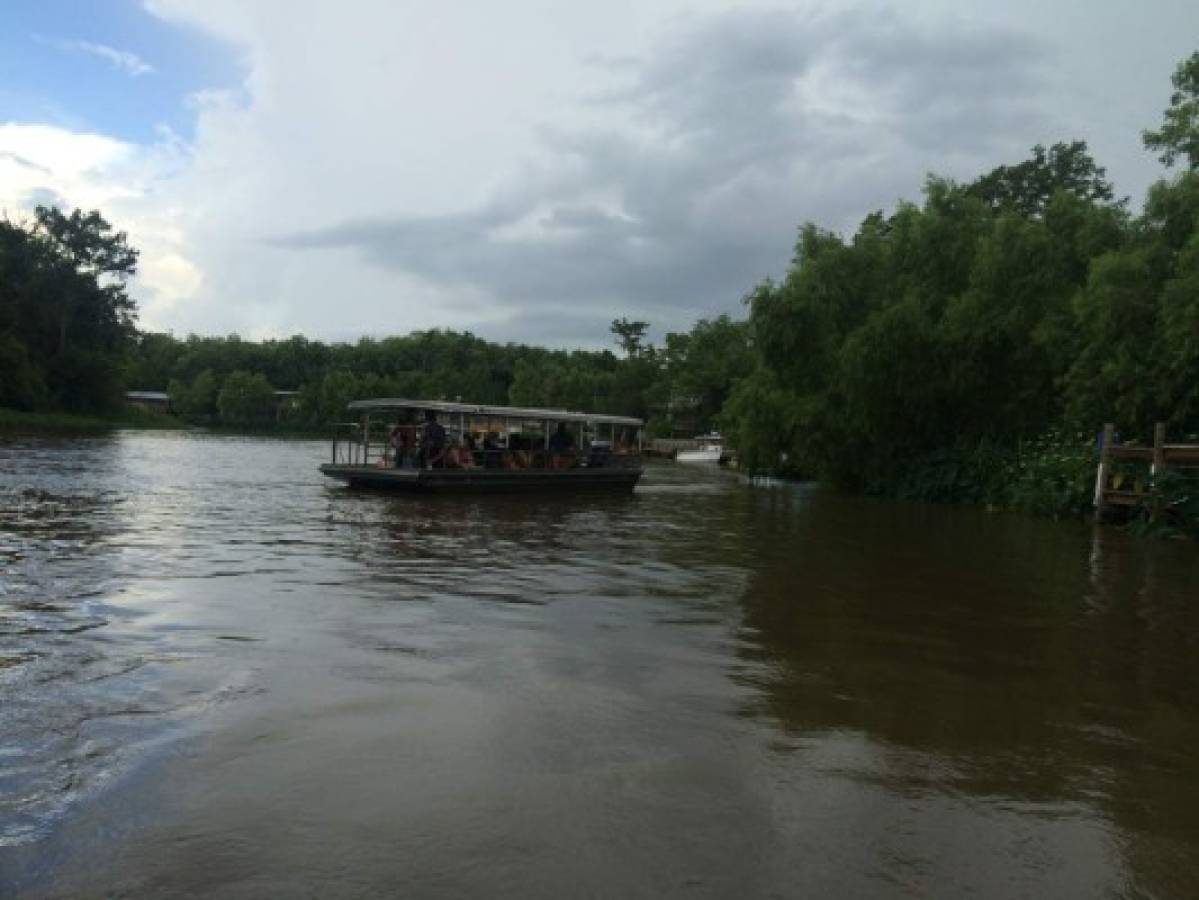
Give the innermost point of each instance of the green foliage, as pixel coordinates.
(23, 385)
(15, 422)
(763, 420)
(1028, 187)
(1179, 500)
(943, 325)
(196, 401)
(1179, 135)
(23, 422)
(66, 321)
(629, 335)
(422, 365)
(1053, 475)
(698, 372)
(246, 398)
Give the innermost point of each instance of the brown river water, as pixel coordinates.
(221, 675)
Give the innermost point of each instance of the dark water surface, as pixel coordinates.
(222, 675)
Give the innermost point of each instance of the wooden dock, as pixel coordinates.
(1110, 487)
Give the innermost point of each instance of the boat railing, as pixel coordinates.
(526, 443)
(354, 446)
(348, 447)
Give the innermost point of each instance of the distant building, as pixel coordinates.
(151, 401)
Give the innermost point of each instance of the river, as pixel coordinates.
(223, 675)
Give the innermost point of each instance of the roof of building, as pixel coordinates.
(161, 396)
(510, 412)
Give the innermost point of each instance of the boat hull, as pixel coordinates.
(486, 481)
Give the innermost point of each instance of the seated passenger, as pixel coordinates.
(461, 457)
(518, 455)
(407, 441)
(492, 453)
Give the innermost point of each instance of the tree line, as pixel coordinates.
(228, 380)
(1029, 303)
(233, 381)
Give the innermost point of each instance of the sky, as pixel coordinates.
(531, 170)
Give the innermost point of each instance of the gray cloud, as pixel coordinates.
(45, 196)
(744, 125)
(23, 162)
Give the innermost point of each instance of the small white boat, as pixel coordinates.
(710, 450)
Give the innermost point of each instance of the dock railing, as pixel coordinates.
(1114, 487)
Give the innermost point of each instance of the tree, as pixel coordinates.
(246, 398)
(629, 335)
(338, 388)
(63, 301)
(21, 386)
(701, 368)
(1179, 135)
(1027, 187)
(939, 327)
(103, 261)
(197, 400)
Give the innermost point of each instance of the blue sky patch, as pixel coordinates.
(109, 68)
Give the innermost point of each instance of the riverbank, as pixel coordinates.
(1051, 477)
(16, 422)
(19, 422)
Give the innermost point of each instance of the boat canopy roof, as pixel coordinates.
(509, 412)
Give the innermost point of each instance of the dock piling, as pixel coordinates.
(1105, 444)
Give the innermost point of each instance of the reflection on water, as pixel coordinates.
(221, 674)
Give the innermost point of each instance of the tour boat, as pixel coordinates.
(710, 450)
(393, 445)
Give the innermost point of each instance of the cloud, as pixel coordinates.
(531, 172)
(122, 60)
(735, 128)
(48, 165)
(44, 196)
(23, 162)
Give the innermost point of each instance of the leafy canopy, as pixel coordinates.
(1178, 137)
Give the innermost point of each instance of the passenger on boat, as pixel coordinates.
(492, 453)
(517, 456)
(432, 442)
(461, 457)
(403, 439)
(394, 450)
(562, 445)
